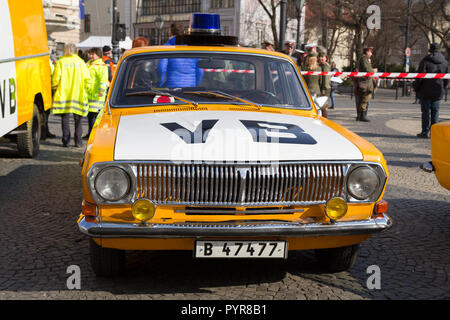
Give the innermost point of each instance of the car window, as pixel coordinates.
(155, 79)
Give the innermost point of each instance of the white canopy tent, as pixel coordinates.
(101, 41)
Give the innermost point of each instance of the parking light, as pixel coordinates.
(143, 210)
(336, 208)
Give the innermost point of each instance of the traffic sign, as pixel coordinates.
(408, 52)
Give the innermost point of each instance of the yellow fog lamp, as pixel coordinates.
(143, 209)
(336, 208)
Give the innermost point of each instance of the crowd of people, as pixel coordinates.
(80, 81)
(429, 91)
(313, 59)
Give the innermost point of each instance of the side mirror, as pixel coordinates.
(427, 167)
(320, 101)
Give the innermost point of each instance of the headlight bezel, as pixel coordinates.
(380, 174)
(92, 178)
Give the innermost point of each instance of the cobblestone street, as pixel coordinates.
(41, 199)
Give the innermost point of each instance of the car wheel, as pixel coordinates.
(106, 261)
(28, 142)
(337, 259)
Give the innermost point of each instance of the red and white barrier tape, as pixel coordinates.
(229, 70)
(352, 74)
(380, 74)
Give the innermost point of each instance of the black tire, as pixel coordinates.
(337, 259)
(106, 262)
(28, 142)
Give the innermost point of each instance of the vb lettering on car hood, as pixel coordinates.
(229, 136)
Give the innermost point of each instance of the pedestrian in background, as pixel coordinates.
(178, 73)
(71, 82)
(145, 70)
(139, 42)
(324, 81)
(365, 85)
(97, 94)
(289, 49)
(431, 91)
(311, 50)
(107, 59)
(334, 85)
(48, 134)
(83, 55)
(312, 81)
(267, 45)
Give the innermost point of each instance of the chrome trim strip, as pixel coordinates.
(25, 57)
(205, 211)
(232, 229)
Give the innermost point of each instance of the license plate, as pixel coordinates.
(240, 249)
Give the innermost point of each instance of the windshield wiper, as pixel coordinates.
(161, 93)
(224, 95)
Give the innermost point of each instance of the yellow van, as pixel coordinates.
(25, 77)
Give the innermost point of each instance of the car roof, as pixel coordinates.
(185, 48)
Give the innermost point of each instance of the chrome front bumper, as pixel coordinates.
(233, 229)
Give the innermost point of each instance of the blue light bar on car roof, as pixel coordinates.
(204, 23)
(204, 30)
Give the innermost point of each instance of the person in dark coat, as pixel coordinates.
(431, 91)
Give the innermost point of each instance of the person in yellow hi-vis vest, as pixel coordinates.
(47, 134)
(99, 77)
(71, 81)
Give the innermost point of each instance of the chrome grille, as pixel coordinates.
(239, 185)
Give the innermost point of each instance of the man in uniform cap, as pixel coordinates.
(268, 45)
(365, 85)
(289, 49)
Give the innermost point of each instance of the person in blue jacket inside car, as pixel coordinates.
(178, 73)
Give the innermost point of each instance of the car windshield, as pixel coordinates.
(208, 78)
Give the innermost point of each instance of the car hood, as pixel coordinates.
(229, 136)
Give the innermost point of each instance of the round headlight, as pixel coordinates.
(362, 183)
(112, 183)
(143, 209)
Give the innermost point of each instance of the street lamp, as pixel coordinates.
(282, 23)
(408, 22)
(299, 4)
(159, 22)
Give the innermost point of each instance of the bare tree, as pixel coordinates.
(433, 18)
(333, 32)
(270, 7)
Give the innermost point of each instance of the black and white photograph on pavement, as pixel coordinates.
(239, 152)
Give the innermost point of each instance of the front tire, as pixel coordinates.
(337, 259)
(106, 262)
(28, 142)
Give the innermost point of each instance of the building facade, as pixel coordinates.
(62, 20)
(97, 19)
(245, 19)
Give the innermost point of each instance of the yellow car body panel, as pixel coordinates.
(440, 152)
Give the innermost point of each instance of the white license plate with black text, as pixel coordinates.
(240, 249)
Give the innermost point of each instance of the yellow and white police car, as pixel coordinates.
(221, 150)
